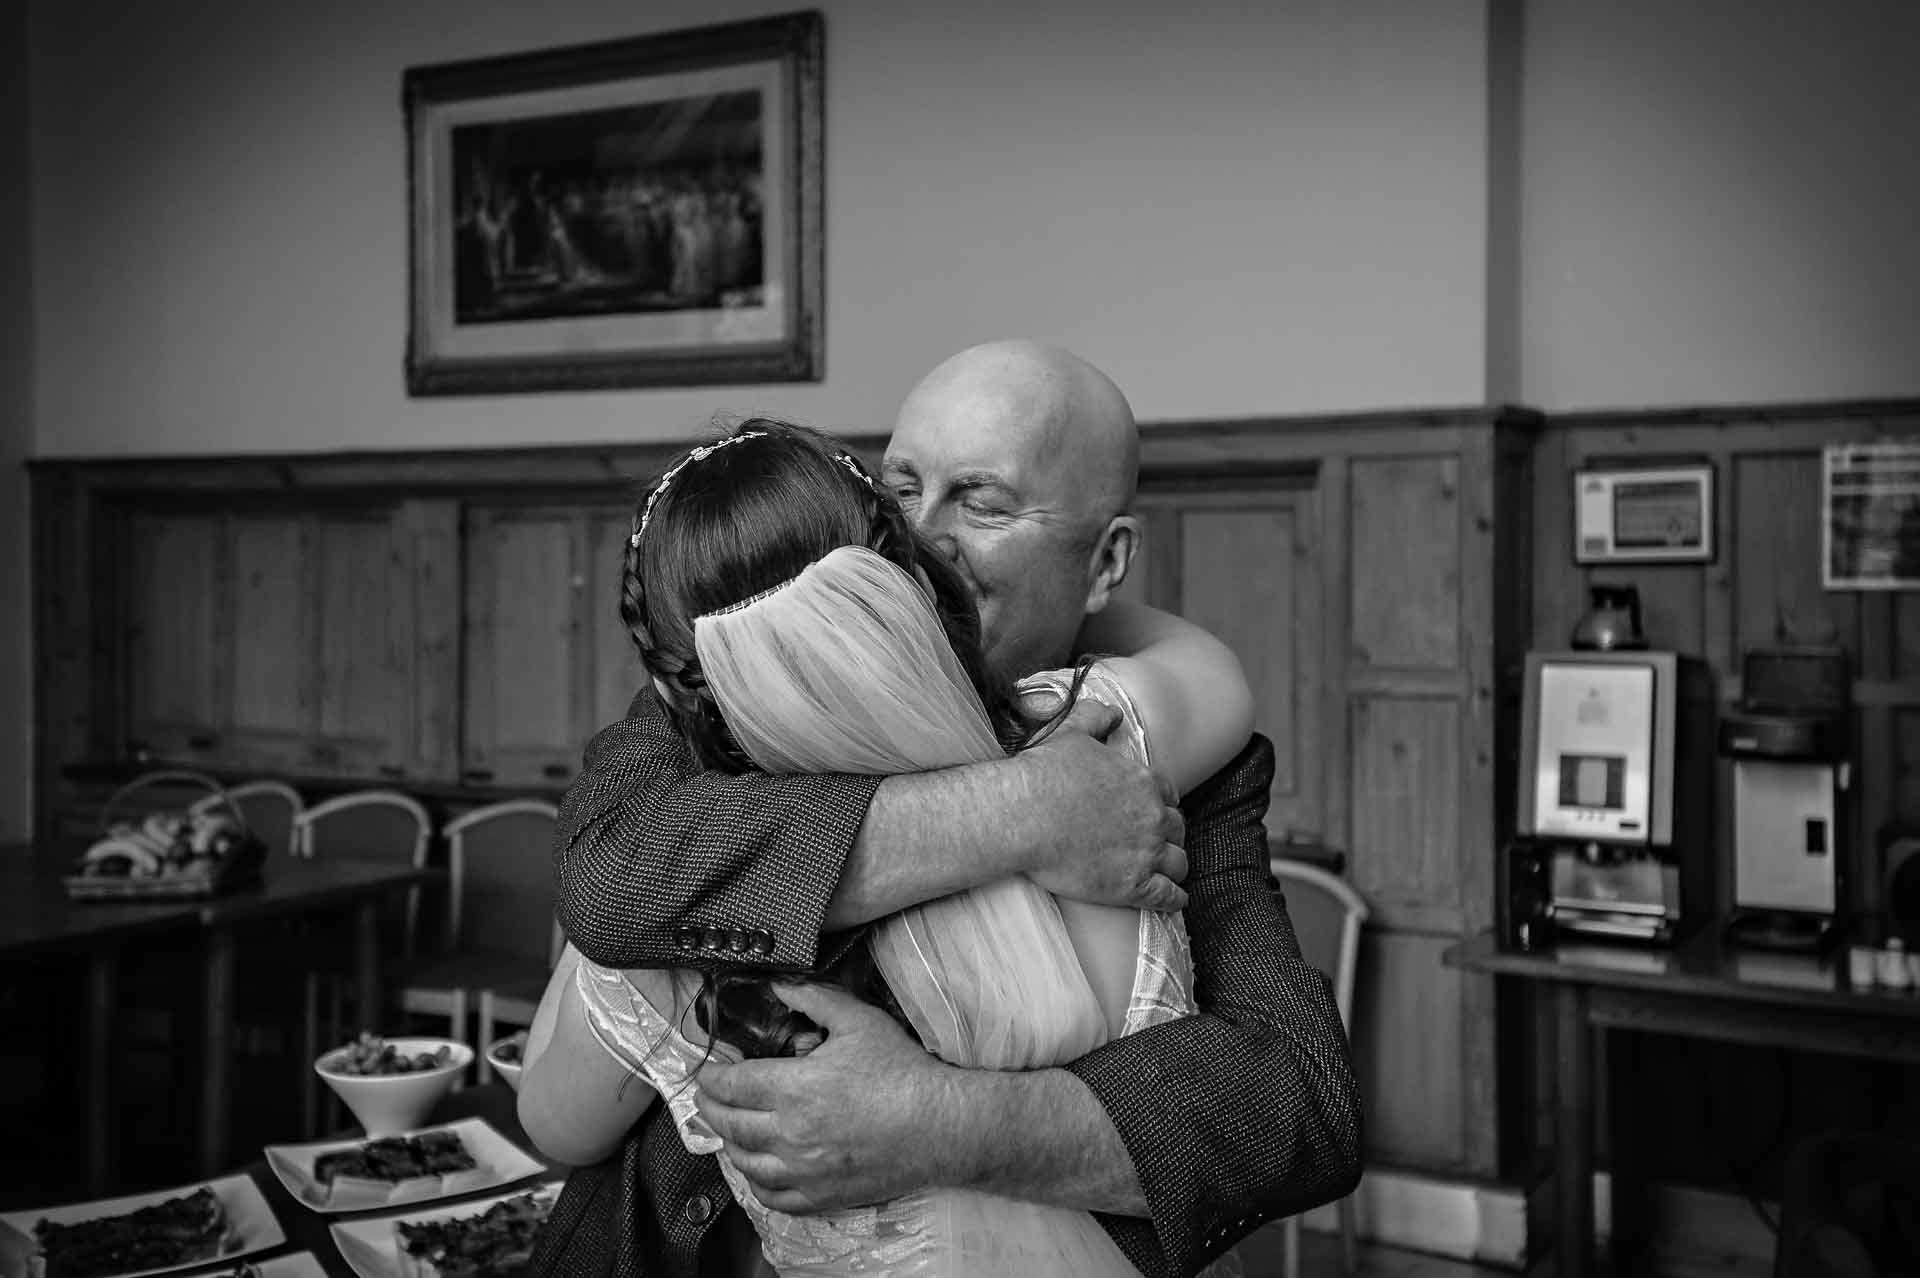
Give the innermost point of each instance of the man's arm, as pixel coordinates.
(660, 864)
(1268, 1051)
(1213, 1123)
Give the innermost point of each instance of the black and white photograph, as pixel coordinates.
(896, 639)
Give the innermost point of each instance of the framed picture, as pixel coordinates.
(641, 212)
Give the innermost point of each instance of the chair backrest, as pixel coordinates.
(369, 825)
(500, 871)
(270, 808)
(1326, 914)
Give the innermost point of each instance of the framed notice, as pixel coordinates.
(1648, 515)
(1870, 516)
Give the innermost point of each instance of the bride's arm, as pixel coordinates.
(576, 1102)
(1187, 685)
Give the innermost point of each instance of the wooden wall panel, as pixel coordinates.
(525, 578)
(1406, 562)
(1409, 1040)
(1778, 598)
(1248, 574)
(359, 629)
(179, 568)
(1406, 856)
(272, 606)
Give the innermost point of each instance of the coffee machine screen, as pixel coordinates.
(1595, 759)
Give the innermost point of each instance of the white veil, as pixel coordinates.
(847, 668)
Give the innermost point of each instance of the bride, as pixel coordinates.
(791, 621)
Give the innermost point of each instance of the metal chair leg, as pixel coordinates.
(484, 1035)
(1290, 1248)
(1349, 1235)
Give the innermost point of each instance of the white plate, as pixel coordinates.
(300, 1264)
(368, 1245)
(248, 1217)
(501, 1162)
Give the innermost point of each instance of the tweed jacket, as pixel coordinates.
(1241, 1114)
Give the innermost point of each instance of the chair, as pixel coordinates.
(1327, 914)
(361, 825)
(515, 1004)
(501, 935)
(271, 809)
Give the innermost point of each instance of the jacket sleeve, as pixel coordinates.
(1249, 1110)
(658, 863)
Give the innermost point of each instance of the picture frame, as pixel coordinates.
(641, 212)
(1643, 514)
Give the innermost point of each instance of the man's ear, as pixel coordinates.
(1113, 556)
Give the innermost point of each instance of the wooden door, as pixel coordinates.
(1245, 566)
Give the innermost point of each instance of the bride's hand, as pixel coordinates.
(860, 1119)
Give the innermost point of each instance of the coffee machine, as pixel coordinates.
(1614, 786)
(1789, 746)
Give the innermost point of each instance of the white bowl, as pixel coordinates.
(508, 1070)
(389, 1103)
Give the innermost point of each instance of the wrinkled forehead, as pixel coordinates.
(1025, 440)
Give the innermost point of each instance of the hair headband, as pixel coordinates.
(705, 451)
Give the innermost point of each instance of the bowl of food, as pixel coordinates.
(507, 1057)
(392, 1084)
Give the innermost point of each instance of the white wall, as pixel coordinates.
(16, 433)
(1719, 202)
(1235, 208)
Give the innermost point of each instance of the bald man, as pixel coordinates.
(1018, 461)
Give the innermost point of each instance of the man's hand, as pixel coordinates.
(865, 1117)
(1115, 832)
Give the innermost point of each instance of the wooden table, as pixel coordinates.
(36, 917)
(1701, 988)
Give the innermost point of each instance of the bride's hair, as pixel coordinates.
(745, 514)
(731, 520)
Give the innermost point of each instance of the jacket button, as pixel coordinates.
(763, 942)
(688, 937)
(699, 1209)
(737, 941)
(714, 939)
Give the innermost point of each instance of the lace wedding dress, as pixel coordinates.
(847, 669)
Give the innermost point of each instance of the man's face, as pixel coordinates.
(995, 496)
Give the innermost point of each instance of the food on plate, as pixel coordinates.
(167, 845)
(178, 1231)
(396, 1158)
(371, 1054)
(498, 1241)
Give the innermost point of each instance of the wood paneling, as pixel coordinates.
(272, 637)
(1409, 1034)
(1247, 570)
(526, 579)
(613, 660)
(1406, 851)
(177, 579)
(1406, 563)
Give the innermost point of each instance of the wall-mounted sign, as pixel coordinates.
(1662, 515)
(1870, 516)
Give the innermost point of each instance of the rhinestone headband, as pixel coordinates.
(707, 450)
(701, 453)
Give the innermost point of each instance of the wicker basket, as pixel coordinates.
(239, 867)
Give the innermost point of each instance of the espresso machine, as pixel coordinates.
(1789, 746)
(1614, 784)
